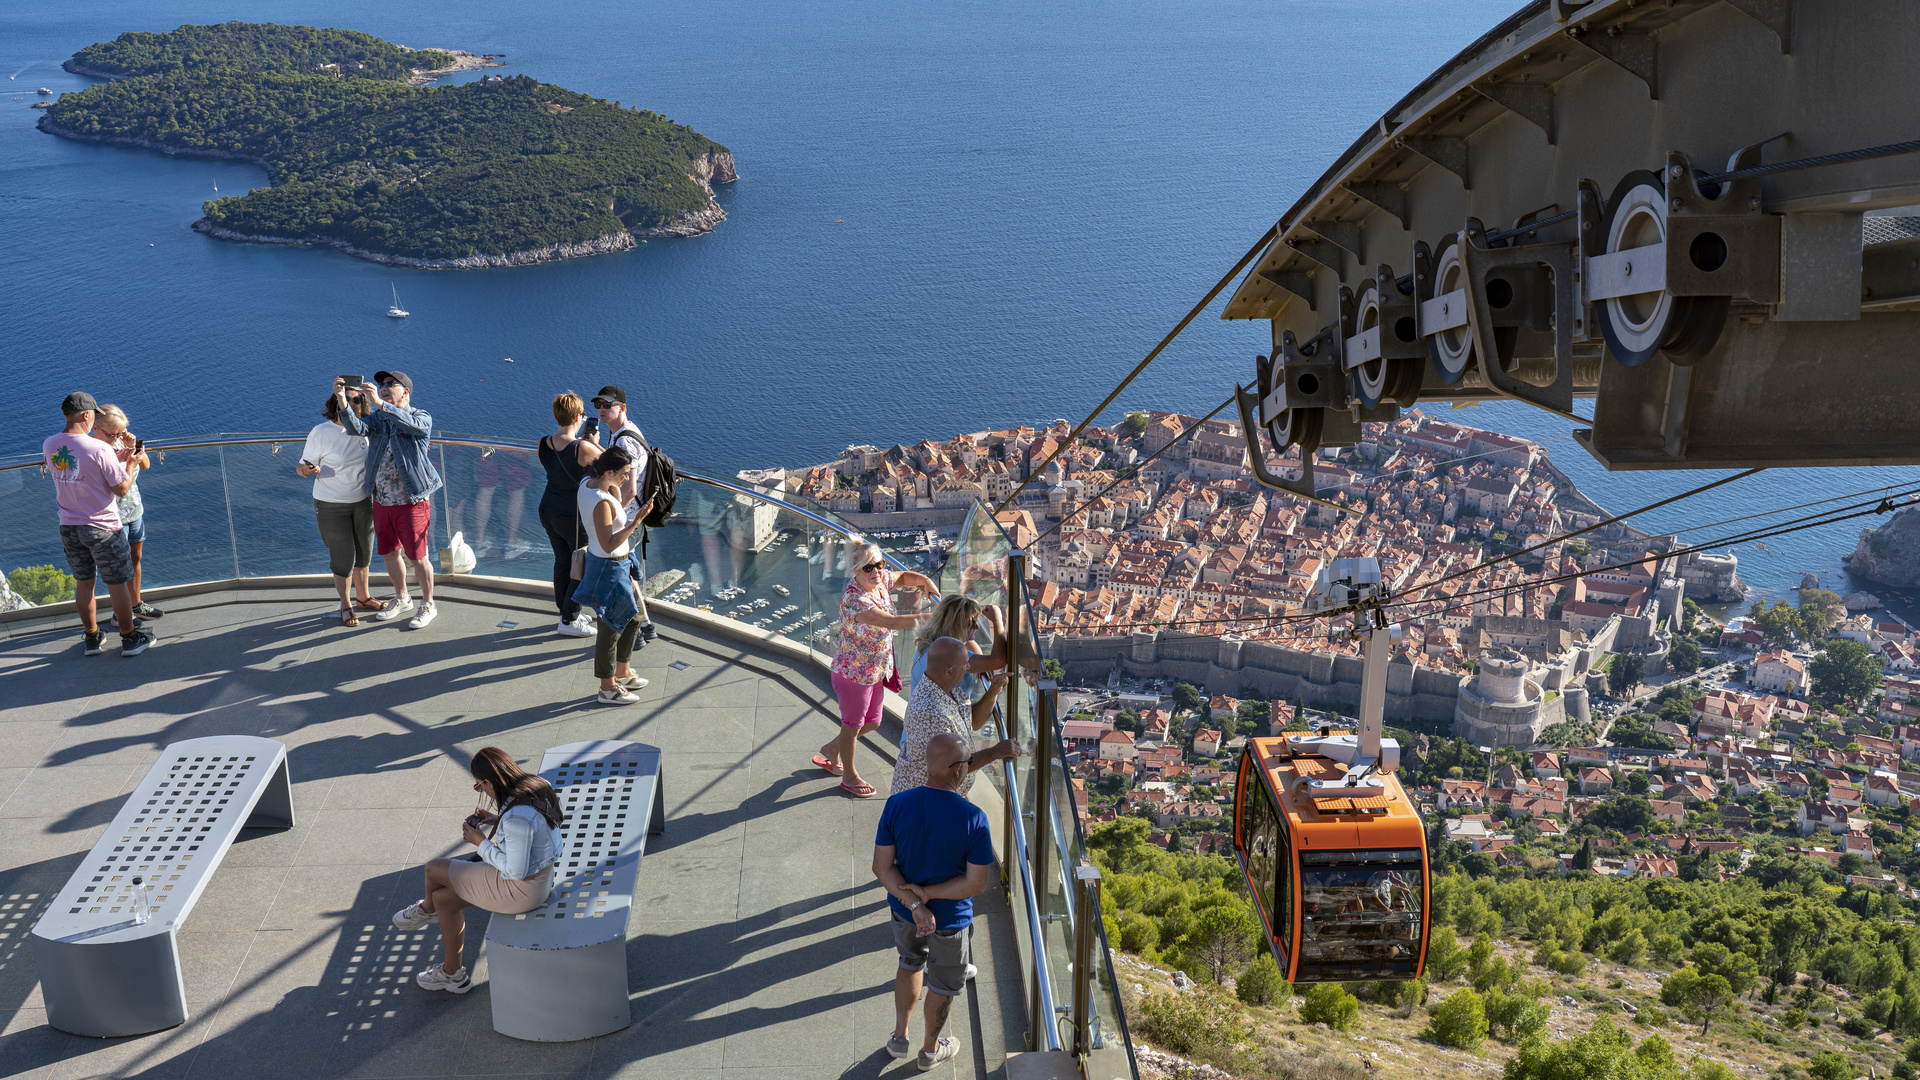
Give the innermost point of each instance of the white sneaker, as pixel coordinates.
(575, 627)
(616, 696)
(630, 682)
(971, 972)
(412, 918)
(395, 608)
(424, 617)
(436, 978)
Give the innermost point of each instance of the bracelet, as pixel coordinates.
(915, 906)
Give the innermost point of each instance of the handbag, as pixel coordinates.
(578, 568)
(893, 679)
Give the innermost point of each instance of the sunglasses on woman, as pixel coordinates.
(871, 567)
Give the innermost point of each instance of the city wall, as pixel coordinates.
(1226, 665)
(947, 520)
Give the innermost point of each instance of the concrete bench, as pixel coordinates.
(103, 974)
(559, 972)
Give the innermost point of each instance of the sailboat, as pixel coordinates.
(396, 311)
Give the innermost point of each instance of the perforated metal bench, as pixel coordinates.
(559, 972)
(103, 974)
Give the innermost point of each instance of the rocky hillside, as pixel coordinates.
(1889, 554)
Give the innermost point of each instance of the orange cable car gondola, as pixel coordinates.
(1334, 853)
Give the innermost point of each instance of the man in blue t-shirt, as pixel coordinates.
(934, 854)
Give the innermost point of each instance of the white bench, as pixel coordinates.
(103, 974)
(559, 972)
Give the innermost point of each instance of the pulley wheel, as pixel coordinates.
(1452, 348)
(1403, 382)
(1368, 382)
(1637, 325)
(1300, 426)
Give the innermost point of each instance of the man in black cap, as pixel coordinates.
(611, 405)
(400, 478)
(88, 478)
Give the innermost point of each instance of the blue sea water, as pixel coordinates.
(949, 217)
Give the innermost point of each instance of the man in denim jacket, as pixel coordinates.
(400, 478)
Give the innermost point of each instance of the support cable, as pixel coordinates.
(1252, 254)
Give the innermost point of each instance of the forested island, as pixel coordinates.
(500, 172)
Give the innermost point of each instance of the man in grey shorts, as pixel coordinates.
(934, 854)
(88, 477)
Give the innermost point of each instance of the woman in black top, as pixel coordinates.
(565, 456)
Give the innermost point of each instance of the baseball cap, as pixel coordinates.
(78, 402)
(397, 376)
(610, 393)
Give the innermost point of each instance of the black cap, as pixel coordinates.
(610, 393)
(78, 402)
(397, 376)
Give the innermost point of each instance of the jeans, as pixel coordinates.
(565, 536)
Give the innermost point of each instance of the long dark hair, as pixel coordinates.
(515, 786)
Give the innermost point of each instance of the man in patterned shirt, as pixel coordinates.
(400, 477)
(934, 707)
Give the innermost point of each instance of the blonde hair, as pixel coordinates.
(567, 407)
(114, 413)
(859, 555)
(953, 617)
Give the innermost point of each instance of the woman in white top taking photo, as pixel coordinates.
(606, 586)
(337, 462)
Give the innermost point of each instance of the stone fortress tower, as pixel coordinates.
(1504, 705)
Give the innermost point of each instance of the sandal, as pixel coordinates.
(864, 791)
(368, 605)
(833, 767)
(348, 618)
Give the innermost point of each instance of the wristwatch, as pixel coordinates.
(915, 906)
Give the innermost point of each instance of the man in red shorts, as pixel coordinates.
(400, 477)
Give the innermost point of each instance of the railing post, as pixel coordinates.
(1016, 574)
(1043, 753)
(1086, 939)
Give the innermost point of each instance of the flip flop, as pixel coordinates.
(833, 767)
(864, 791)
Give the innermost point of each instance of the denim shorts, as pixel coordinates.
(97, 553)
(136, 530)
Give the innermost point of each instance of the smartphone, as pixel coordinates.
(139, 445)
(590, 428)
(351, 380)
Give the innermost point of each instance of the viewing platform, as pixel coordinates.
(759, 944)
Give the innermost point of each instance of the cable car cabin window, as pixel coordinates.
(1268, 863)
(1360, 913)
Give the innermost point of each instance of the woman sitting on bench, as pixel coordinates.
(511, 875)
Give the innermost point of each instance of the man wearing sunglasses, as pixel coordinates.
(610, 404)
(401, 477)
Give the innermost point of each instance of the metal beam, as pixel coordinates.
(1446, 151)
(1344, 233)
(1324, 252)
(1389, 197)
(1297, 282)
(1532, 102)
(1632, 50)
(1775, 15)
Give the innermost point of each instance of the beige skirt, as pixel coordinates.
(483, 887)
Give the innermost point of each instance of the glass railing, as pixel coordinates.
(1064, 947)
(224, 507)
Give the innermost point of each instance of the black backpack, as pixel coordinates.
(660, 484)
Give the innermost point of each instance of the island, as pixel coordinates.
(362, 155)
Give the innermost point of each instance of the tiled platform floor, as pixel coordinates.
(758, 945)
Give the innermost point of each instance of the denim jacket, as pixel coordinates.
(606, 586)
(523, 844)
(407, 431)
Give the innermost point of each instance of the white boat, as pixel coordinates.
(396, 311)
(783, 590)
(46, 91)
(801, 552)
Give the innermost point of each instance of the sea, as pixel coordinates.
(948, 218)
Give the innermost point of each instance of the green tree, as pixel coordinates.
(1134, 426)
(1187, 696)
(1460, 1022)
(1120, 844)
(41, 584)
(1445, 958)
(1820, 610)
(1513, 1018)
(1330, 1004)
(1259, 983)
(1699, 997)
(1684, 656)
(1603, 1053)
(1055, 670)
(1623, 674)
(1844, 673)
(1739, 969)
(1219, 941)
(1830, 1065)
(1138, 933)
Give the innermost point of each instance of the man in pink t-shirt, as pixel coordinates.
(87, 477)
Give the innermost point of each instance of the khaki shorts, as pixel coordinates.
(482, 886)
(943, 956)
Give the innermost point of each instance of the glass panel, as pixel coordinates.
(1360, 907)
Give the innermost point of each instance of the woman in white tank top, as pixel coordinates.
(607, 585)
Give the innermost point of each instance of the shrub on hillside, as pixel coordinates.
(1259, 983)
(1328, 1004)
(1512, 1018)
(1445, 958)
(1459, 1022)
(41, 584)
(1830, 1065)
(1191, 1023)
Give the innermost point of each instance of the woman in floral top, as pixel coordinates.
(863, 661)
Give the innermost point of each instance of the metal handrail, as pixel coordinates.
(1018, 840)
(843, 528)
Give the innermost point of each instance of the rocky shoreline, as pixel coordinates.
(1889, 554)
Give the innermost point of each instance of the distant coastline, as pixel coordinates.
(463, 61)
